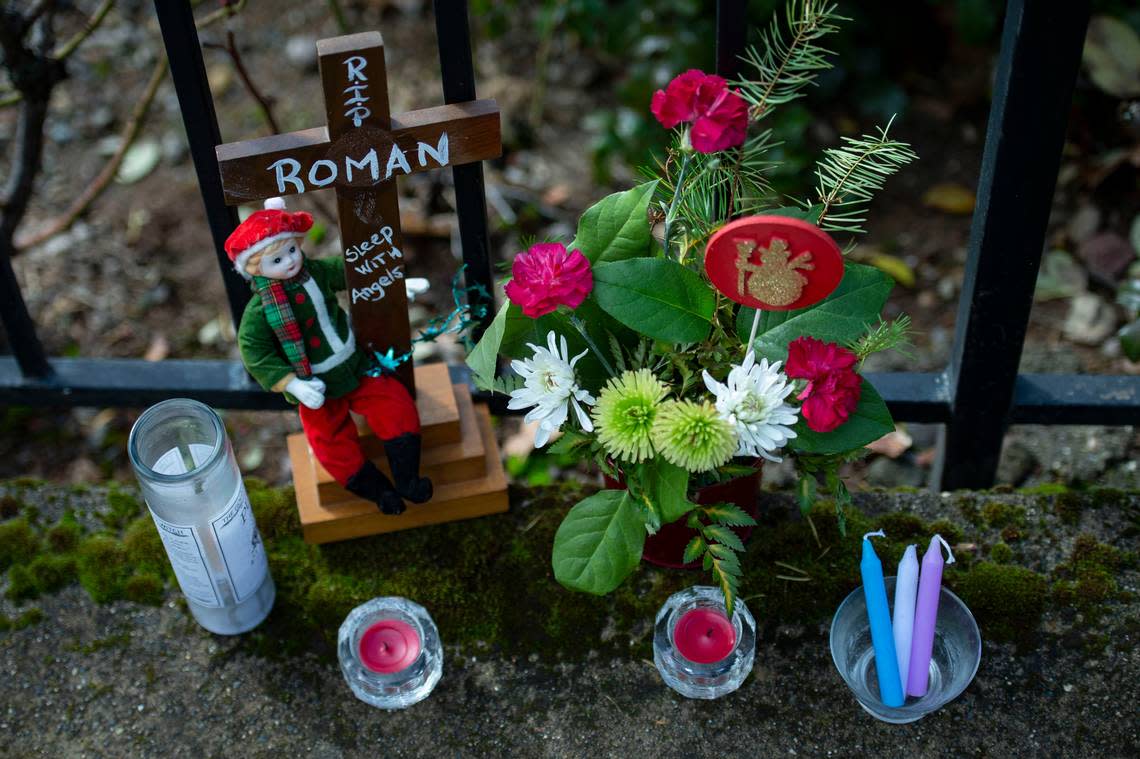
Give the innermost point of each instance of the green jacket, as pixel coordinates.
(329, 341)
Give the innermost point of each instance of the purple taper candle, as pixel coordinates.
(926, 616)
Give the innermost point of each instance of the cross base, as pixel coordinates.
(460, 455)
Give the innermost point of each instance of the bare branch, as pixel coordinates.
(93, 190)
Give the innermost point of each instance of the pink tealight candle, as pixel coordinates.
(389, 646)
(704, 635)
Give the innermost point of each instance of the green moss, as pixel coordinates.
(1001, 553)
(21, 584)
(274, 509)
(969, 510)
(27, 618)
(1087, 581)
(144, 547)
(103, 567)
(1045, 488)
(18, 544)
(10, 506)
(145, 588)
(947, 529)
(1068, 506)
(1001, 514)
(64, 535)
(1011, 534)
(53, 572)
(1006, 600)
(123, 507)
(900, 525)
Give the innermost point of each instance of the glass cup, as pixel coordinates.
(390, 652)
(953, 662)
(700, 680)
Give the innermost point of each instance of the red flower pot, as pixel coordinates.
(667, 547)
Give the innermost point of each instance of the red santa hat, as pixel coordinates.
(262, 229)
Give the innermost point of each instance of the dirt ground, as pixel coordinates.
(137, 275)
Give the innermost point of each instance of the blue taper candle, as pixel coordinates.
(882, 635)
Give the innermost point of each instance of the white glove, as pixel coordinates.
(310, 392)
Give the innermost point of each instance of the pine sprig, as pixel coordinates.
(849, 176)
(888, 335)
(787, 60)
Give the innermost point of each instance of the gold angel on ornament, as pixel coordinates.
(775, 280)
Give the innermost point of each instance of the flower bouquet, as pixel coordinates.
(698, 322)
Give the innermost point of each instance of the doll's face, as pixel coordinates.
(283, 263)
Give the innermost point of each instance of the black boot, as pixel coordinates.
(370, 484)
(404, 458)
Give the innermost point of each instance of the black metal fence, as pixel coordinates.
(975, 398)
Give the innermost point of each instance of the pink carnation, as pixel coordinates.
(833, 387)
(719, 116)
(548, 276)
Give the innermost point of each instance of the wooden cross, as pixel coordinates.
(360, 153)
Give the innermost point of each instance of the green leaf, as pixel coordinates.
(668, 486)
(1129, 336)
(728, 586)
(870, 421)
(725, 536)
(599, 543)
(567, 442)
(484, 356)
(694, 549)
(520, 332)
(841, 317)
(657, 297)
(616, 227)
(805, 493)
(730, 514)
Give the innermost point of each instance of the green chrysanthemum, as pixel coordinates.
(623, 416)
(693, 435)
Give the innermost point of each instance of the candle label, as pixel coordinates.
(184, 549)
(241, 548)
(235, 534)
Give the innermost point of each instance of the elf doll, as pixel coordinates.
(295, 338)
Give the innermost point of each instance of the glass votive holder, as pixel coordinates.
(698, 650)
(390, 652)
(953, 662)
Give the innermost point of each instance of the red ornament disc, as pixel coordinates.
(774, 263)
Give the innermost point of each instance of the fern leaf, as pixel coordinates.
(616, 351)
(729, 514)
(849, 176)
(787, 60)
(724, 536)
(729, 586)
(694, 549)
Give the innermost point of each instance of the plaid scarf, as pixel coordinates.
(279, 314)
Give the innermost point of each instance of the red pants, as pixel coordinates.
(384, 403)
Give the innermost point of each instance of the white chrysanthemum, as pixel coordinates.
(752, 400)
(551, 388)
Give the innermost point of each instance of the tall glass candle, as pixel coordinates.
(191, 483)
(906, 590)
(879, 615)
(926, 616)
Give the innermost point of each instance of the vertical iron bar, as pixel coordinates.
(454, 38)
(731, 31)
(180, 37)
(1040, 54)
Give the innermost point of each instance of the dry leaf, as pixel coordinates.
(893, 444)
(1112, 56)
(949, 197)
(895, 266)
(158, 349)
